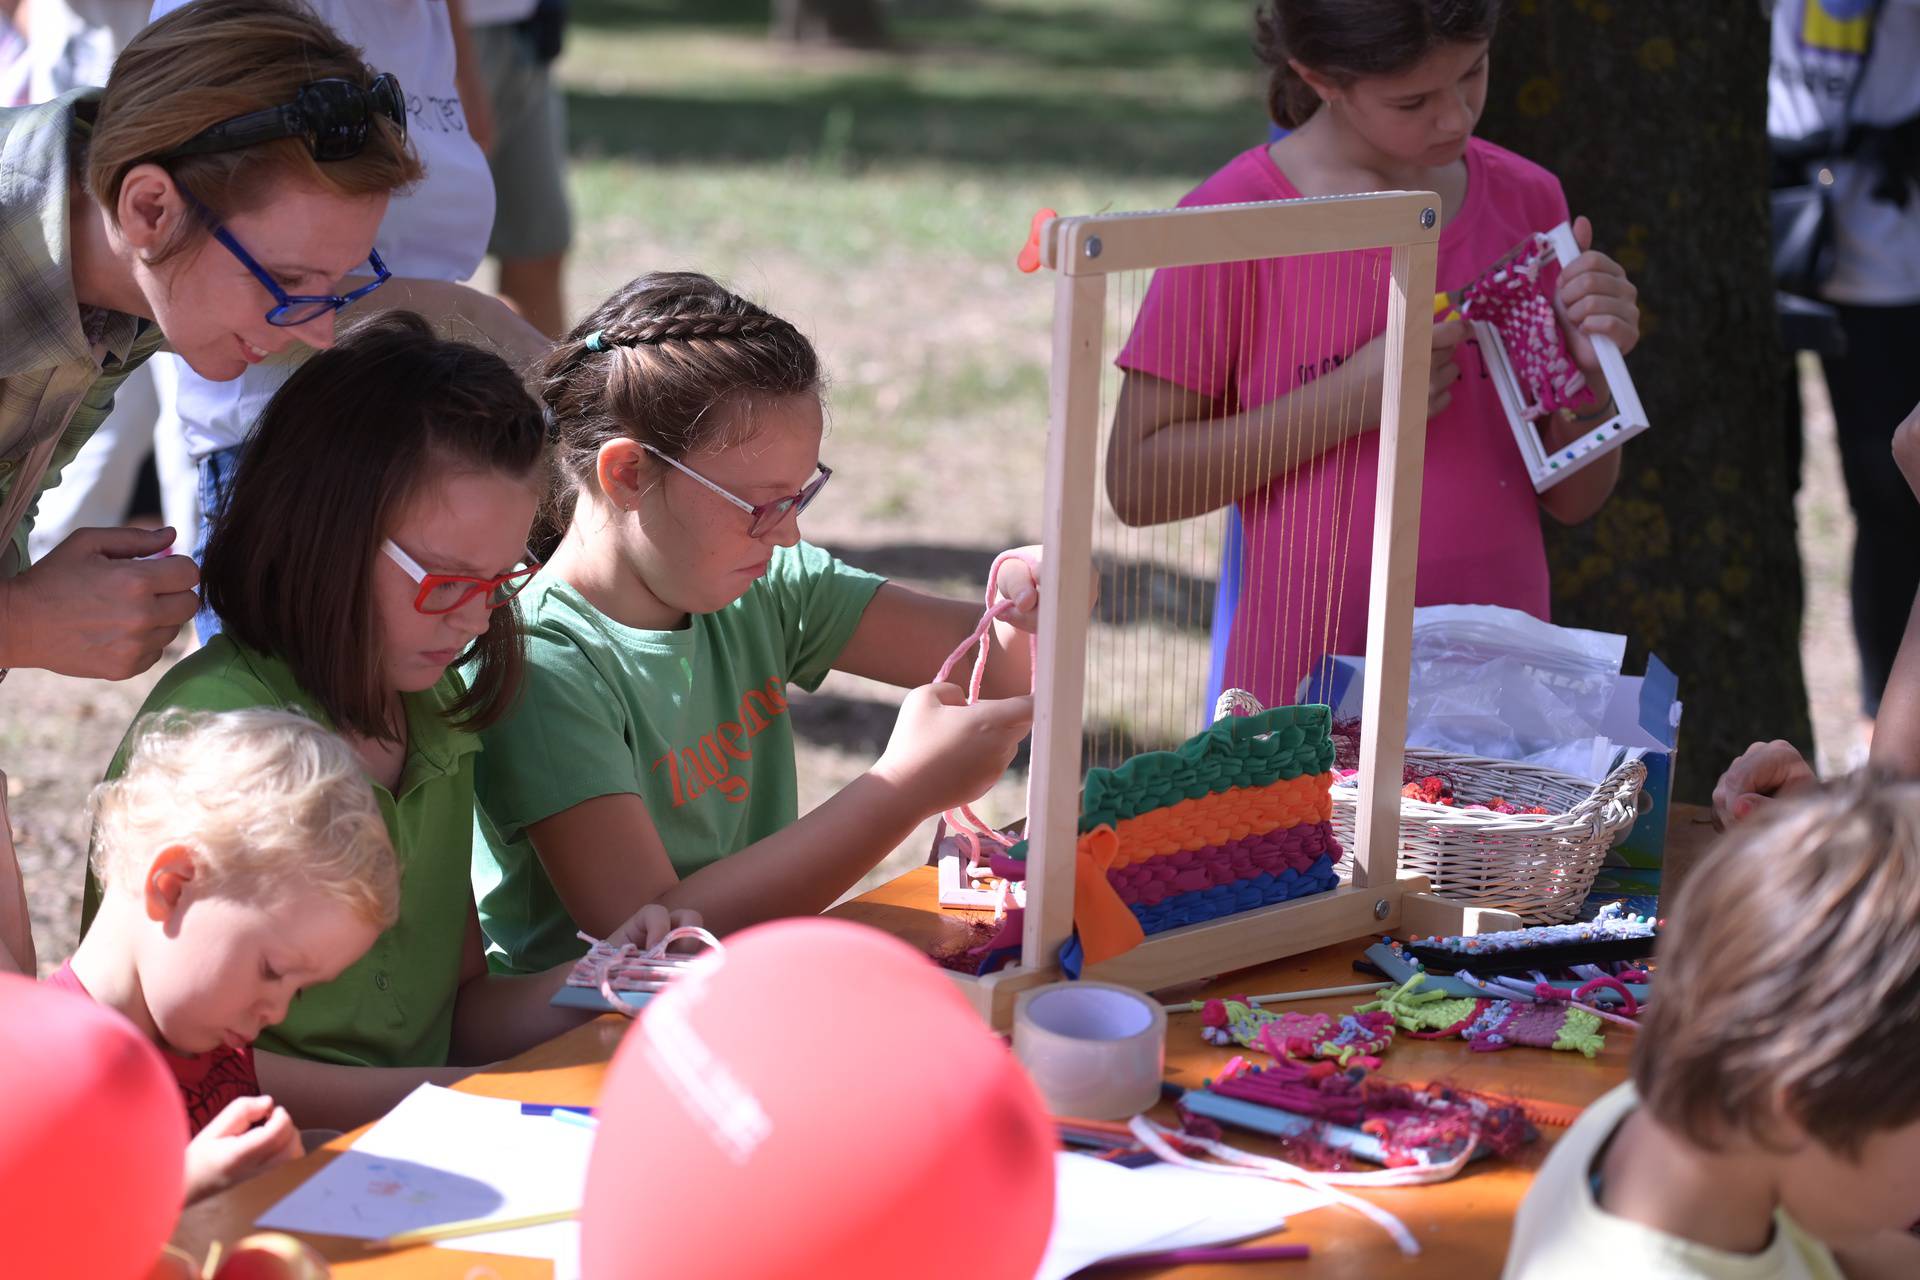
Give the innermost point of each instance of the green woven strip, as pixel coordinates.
(1239, 751)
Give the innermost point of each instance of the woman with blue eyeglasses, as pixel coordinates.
(433, 235)
(209, 201)
(240, 139)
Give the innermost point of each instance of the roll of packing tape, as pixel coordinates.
(1095, 1050)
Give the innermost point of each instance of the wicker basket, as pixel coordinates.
(1540, 866)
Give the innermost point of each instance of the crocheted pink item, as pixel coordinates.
(1516, 299)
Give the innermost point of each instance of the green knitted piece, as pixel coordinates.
(1428, 1011)
(1581, 1034)
(1238, 751)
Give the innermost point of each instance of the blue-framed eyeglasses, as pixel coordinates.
(291, 310)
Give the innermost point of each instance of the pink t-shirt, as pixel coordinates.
(1247, 333)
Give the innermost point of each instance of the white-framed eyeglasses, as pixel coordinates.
(766, 516)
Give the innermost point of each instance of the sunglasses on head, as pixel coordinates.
(333, 116)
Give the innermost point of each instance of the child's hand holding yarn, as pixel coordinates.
(248, 1137)
(1019, 582)
(652, 923)
(1596, 298)
(944, 753)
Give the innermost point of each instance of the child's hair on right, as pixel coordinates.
(1788, 976)
(1346, 40)
(269, 801)
(210, 61)
(356, 432)
(674, 360)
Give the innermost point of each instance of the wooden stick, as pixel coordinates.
(475, 1227)
(1282, 997)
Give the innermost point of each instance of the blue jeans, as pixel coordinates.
(216, 485)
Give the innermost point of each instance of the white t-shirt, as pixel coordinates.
(1877, 243)
(493, 13)
(1562, 1233)
(437, 231)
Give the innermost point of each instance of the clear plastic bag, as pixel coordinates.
(1497, 682)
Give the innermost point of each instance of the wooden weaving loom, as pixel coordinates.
(1149, 686)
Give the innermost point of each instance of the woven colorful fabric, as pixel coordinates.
(1516, 299)
(1235, 818)
(1488, 1024)
(1355, 1037)
(1346, 1113)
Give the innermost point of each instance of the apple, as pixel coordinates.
(272, 1256)
(173, 1264)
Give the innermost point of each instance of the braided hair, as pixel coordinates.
(673, 360)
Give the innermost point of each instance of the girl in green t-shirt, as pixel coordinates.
(378, 523)
(651, 760)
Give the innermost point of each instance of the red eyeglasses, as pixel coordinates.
(445, 592)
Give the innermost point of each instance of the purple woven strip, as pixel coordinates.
(1295, 849)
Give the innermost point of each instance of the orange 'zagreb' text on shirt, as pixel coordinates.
(709, 762)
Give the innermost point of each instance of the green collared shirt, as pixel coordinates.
(44, 337)
(394, 1006)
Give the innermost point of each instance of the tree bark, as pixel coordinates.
(1654, 119)
(861, 23)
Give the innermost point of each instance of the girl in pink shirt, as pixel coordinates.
(1259, 383)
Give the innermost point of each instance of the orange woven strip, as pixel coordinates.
(1224, 816)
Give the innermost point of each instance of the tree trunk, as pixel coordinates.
(1654, 119)
(862, 23)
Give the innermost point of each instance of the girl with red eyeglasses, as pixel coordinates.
(652, 759)
(377, 534)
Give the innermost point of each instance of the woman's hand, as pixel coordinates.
(1596, 300)
(249, 1136)
(1764, 771)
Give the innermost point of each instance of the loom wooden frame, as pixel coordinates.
(1083, 252)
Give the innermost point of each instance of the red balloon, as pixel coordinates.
(817, 1103)
(93, 1139)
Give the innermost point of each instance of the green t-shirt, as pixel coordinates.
(692, 721)
(394, 1006)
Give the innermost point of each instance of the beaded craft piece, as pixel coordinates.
(1614, 934)
(1235, 818)
(1354, 1037)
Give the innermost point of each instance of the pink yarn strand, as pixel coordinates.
(965, 823)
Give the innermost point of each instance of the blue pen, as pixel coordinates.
(552, 1108)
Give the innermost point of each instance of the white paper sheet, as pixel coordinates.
(1102, 1210)
(440, 1157)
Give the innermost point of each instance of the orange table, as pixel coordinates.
(1463, 1225)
